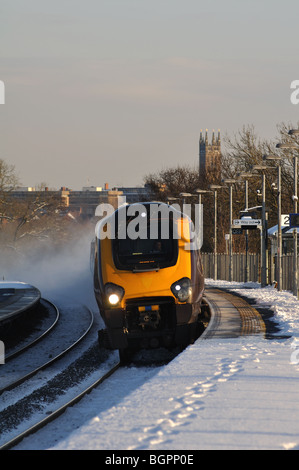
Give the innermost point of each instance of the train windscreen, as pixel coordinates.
(147, 252)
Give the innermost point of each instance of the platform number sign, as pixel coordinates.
(285, 220)
(294, 220)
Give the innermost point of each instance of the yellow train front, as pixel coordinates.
(148, 278)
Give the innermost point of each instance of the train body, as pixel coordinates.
(148, 278)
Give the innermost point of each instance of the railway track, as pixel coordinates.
(230, 316)
(41, 333)
(12, 358)
(55, 414)
(20, 407)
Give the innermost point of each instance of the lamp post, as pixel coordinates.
(184, 195)
(279, 233)
(246, 176)
(230, 183)
(172, 199)
(264, 225)
(293, 146)
(214, 188)
(184, 208)
(200, 193)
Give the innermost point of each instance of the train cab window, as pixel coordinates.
(145, 254)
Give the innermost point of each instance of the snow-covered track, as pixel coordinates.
(46, 362)
(55, 414)
(31, 340)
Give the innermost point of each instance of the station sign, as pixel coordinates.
(247, 223)
(285, 220)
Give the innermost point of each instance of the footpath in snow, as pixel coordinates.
(232, 393)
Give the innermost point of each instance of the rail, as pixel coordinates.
(55, 414)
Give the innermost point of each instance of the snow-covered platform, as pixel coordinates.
(15, 298)
(231, 316)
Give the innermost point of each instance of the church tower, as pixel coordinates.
(210, 155)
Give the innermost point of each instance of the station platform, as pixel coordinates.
(231, 316)
(15, 298)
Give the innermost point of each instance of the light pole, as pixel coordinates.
(184, 195)
(230, 183)
(279, 234)
(293, 146)
(200, 193)
(246, 176)
(214, 188)
(172, 199)
(264, 225)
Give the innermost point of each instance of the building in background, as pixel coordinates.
(81, 203)
(210, 156)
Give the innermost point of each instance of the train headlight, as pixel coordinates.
(114, 293)
(182, 289)
(113, 299)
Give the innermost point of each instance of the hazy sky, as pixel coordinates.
(111, 90)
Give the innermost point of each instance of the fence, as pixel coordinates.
(254, 269)
(287, 277)
(239, 266)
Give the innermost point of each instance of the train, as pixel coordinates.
(148, 278)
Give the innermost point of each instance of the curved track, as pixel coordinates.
(230, 316)
(15, 382)
(31, 341)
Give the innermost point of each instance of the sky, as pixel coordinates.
(109, 91)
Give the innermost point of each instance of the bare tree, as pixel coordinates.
(242, 150)
(39, 216)
(8, 182)
(171, 182)
(246, 149)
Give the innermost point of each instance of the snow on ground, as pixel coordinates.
(234, 393)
